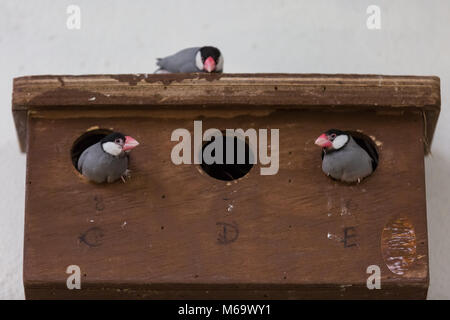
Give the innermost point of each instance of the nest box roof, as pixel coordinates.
(385, 94)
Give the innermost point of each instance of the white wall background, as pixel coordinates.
(321, 36)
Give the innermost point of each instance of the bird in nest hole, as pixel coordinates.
(107, 160)
(345, 157)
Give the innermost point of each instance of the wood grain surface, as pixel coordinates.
(250, 91)
(160, 235)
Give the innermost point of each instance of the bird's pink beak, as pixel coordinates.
(130, 143)
(322, 141)
(209, 65)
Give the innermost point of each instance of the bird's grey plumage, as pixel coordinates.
(99, 166)
(350, 163)
(182, 61)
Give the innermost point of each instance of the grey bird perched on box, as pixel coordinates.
(199, 59)
(107, 160)
(344, 158)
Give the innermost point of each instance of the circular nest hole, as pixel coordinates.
(86, 140)
(367, 144)
(228, 172)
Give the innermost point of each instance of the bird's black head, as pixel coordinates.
(212, 52)
(116, 143)
(116, 137)
(209, 59)
(333, 139)
(335, 132)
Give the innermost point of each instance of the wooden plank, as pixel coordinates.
(252, 91)
(157, 235)
(193, 292)
(20, 120)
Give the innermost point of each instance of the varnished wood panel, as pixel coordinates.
(158, 235)
(228, 91)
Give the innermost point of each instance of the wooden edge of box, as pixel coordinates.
(337, 92)
(416, 290)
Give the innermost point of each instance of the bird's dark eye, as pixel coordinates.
(118, 141)
(333, 135)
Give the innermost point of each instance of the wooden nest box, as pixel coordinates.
(187, 231)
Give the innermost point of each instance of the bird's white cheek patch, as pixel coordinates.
(340, 141)
(112, 148)
(219, 66)
(198, 61)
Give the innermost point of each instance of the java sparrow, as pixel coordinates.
(107, 160)
(198, 59)
(345, 158)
